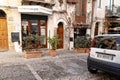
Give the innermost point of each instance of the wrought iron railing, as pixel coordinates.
(113, 11)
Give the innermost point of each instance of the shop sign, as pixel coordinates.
(28, 8)
(34, 9)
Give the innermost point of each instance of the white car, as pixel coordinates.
(104, 54)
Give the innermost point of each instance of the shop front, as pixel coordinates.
(34, 21)
(34, 24)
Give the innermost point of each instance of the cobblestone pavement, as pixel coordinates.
(65, 66)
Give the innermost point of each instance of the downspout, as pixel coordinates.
(92, 15)
(112, 5)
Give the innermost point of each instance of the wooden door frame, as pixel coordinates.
(39, 32)
(62, 35)
(96, 28)
(7, 46)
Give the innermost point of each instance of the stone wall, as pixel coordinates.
(13, 21)
(61, 14)
(99, 14)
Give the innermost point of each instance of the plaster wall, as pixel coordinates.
(67, 10)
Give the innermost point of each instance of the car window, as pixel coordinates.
(107, 43)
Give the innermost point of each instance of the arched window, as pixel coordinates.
(2, 13)
(60, 24)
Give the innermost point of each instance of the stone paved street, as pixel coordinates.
(65, 66)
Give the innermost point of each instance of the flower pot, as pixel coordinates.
(33, 54)
(87, 50)
(80, 50)
(52, 53)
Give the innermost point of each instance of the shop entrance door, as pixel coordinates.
(96, 28)
(35, 27)
(3, 35)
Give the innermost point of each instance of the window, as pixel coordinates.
(99, 3)
(83, 7)
(34, 26)
(107, 43)
(43, 30)
(111, 3)
(24, 28)
(78, 8)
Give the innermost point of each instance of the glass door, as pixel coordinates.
(34, 27)
(24, 28)
(43, 32)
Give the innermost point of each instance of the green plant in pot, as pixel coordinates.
(82, 43)
(77, 42)
(32, 44)
(53, 42)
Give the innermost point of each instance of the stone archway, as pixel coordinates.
(3, 31)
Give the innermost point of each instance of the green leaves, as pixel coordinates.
(82, 41)
(32, 42)
(54, 41)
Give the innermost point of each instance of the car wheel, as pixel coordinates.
(92, 70)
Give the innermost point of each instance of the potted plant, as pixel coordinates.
(32, 44)
(54, 41)
(82, 44)
(78, 45)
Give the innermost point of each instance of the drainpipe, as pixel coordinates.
(112, 5)
(92, 15)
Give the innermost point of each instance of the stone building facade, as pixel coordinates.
(44, 17)
(10, 23)
(96, 10)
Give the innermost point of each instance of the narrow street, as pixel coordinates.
(65, 66)
(62, 26)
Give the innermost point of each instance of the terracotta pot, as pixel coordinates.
(80, 50)
(52, 52)
(33, 54)
(87, 50)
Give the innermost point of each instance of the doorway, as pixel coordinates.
(34, 27)
(96, 28)
(60, 34)
(3, 32)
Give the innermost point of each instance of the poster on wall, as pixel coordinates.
(15, 36)
(43, 32)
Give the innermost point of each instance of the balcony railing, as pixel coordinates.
(113, 11)
(46, 3)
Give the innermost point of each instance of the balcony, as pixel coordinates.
(113, 12)
(44, 3)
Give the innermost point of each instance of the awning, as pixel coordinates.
(81, 25)
(72, 1)
(35, 0)
(33, 9)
